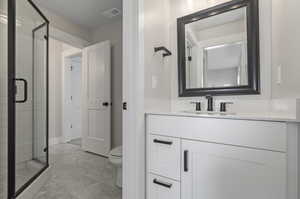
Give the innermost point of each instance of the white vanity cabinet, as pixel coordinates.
(218, 158)
(216, 171)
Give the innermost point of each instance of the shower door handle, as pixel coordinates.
(25, 90)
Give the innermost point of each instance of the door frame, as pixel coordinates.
(134, 162)
(66, 55)
(11, 109)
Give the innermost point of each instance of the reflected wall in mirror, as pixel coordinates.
(218, 50)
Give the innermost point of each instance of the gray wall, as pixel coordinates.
(113, 32)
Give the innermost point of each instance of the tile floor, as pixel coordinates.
(76, 142)
(79, 175)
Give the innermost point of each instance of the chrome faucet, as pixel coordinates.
(210, 103)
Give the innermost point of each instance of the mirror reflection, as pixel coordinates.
(216, 51)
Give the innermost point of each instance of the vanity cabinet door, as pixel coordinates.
(215, 171)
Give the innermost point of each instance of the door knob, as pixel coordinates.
(105, 104)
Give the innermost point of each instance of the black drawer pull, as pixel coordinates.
(164, 184)
(185, 161)
(162, 142)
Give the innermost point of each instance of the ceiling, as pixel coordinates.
(86, 13)
(235, 15)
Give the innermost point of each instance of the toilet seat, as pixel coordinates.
(116, 152)
(115, 156)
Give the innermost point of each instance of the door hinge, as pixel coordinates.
(124, 105)
(71, 98)
(71, 126)
(71, 68)
(46, 37)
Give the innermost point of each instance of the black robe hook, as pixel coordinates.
(162, 48)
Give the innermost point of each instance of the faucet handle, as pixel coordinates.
(223, 106)
(198, 105)
(210, 103)
(208, 96)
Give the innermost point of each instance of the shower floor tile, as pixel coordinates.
(79, 175)
(26, 170)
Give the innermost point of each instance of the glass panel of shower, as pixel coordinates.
(27, 95)
(3, 99)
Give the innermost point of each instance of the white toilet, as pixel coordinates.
(115, 158)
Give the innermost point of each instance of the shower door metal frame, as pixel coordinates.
(12, 193)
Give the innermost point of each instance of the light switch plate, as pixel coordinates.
(154, 81)
(279, 75)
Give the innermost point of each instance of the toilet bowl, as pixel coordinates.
(115, 158)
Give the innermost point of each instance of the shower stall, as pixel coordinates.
(23, 96)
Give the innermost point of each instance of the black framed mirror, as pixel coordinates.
(218, 50)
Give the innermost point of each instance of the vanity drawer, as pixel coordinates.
(164, 153)
(162, 188)
(248, 133)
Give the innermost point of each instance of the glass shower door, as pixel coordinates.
(3, 99)
(28, 95)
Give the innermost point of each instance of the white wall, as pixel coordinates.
(159, 23)
(113, 32)
(55, 88)
(279, 46)
(157, 69)
(286, 48)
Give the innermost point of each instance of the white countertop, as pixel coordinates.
(244, 116)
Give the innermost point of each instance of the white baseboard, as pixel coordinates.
(55, 140)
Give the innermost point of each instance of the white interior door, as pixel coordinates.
(96, 99)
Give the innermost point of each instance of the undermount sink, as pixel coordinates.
(209, 113)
